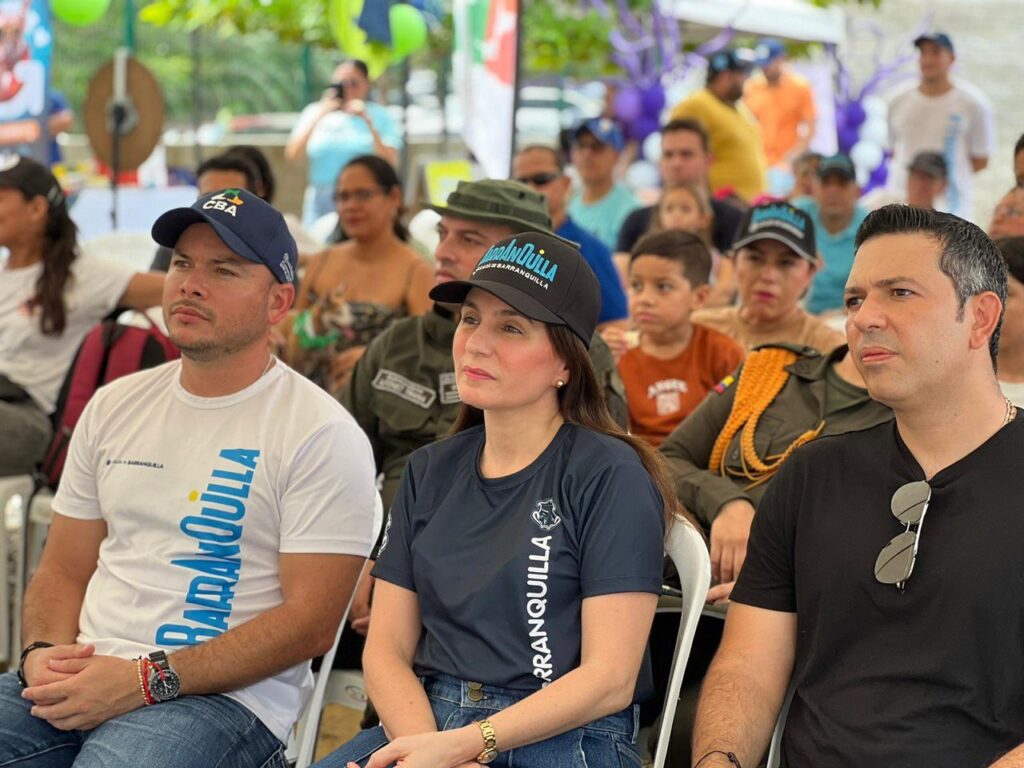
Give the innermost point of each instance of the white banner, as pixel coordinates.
(484, 67)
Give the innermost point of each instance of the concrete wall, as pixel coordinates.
(989, 39)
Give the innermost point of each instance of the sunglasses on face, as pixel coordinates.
(538, 179)
(896, 561)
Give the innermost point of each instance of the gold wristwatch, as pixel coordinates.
(490, 750)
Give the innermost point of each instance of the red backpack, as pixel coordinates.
(110, 350)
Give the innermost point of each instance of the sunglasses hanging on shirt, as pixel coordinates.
(896, 561)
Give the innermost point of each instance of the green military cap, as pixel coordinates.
(496, 201)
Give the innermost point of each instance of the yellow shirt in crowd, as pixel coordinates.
(780, 109)
(735, 142)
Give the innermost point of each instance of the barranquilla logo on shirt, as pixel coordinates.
(216, 530)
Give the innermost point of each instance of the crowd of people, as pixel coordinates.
(800, 372)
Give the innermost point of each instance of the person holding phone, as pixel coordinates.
(342, 125)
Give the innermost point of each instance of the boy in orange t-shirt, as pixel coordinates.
(674, 363)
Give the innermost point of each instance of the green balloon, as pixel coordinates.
(81, 13)
(408, 30)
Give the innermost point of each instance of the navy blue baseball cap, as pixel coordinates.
(248, 225)
(939, 38)
(604, 130)
(781, 222)
(540, 275)
(768, 49)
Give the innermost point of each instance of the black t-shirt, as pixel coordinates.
(501, 566)
(930, 677)
(723, 228)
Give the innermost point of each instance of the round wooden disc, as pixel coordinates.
(144, 92)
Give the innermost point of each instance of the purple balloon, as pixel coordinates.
(653, 101)
(628, 105)
(847, 136)
(642, 127)
(878, 177)
(855, 114)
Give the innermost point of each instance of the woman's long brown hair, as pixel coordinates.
(59, 251)
(581, 402)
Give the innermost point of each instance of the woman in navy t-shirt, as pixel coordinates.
(522, 559)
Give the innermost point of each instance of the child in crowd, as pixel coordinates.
(674, 363)
(687, 208)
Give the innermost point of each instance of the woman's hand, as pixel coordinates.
(342, 365)
(444, 749)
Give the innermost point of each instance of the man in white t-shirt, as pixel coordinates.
(209, 528)
(941, 115)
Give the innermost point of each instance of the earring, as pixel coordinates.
(559, 384)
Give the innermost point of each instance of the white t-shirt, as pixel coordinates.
(1014, 390)
(39, 363)
(957, 124)
(200, 496)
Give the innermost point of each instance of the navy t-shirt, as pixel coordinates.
(613, 295)
(501, 566)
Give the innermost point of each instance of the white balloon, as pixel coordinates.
(875, 106)
(875, 130)
(866, 154)
(642, 175)
(652, 147)
(423, 229)
(863, 176)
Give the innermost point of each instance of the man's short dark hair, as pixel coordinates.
(1012, 249)
(685, 248)
(969, 257)
(1019, 146)
(556, 154)
(681, 124)
(230, 163)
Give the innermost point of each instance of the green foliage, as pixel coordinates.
(288, 20)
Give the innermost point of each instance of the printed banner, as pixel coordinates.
(484, 67)
(26, 45)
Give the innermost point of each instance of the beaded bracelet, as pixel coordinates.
(730, 756)
(305, 331)
(140, 668)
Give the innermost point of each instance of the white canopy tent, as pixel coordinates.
(793, 19)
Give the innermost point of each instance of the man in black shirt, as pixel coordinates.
(685, 159)
(902, 639)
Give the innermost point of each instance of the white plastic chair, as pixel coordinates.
(686, 546)
(15, 493)
(308, 727)
(775, 748)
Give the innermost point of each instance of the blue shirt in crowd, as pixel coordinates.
(599, 257)
(604, 218)
(837, 250)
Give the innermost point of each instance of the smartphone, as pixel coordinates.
(339, 90)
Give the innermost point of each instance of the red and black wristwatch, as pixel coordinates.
(162, 683)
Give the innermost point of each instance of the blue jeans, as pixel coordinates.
(190, 732)
(606, 743)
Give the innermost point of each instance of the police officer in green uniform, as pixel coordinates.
(402, 392)
(725, 452)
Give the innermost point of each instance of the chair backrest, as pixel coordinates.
(309, 723)
(688, 550)
(15, 494)
(775, 748)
